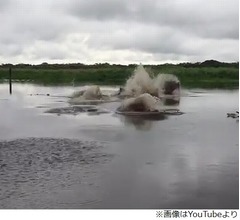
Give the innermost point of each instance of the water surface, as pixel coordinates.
(111, 161)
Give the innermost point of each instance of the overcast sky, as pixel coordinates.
(118, 31)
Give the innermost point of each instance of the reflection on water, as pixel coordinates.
(171, 101)
(142, 122)
(177, 161)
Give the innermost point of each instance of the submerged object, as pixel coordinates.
(77, 109)
(233, 115)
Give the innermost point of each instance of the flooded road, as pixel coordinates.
(110, 161)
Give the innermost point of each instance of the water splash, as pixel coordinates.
(143, 103)
(141, 82)
(92, 95)
(143, 91)
(167, 84)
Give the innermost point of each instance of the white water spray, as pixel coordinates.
(144, 90)
(143, 103)
(141, 82)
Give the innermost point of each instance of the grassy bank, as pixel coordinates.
(191, 76)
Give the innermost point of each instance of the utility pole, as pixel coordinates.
(10, 81)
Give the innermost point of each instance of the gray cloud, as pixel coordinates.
(118, 31)
(99, 10)
(4, 4)
(215, 18)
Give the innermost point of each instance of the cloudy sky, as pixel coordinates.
(118, 31)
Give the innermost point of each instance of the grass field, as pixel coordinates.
(190, 76)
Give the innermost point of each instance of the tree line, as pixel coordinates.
(207, 63)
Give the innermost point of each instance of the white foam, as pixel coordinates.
(144, 102)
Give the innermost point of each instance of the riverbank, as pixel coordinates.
(198, 75)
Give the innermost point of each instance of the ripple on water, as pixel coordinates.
(35, 172)
(75, 110)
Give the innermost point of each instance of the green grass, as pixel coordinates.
(190, 77)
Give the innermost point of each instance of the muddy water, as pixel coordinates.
(105, 160)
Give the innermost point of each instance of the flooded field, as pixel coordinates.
(55, 156)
